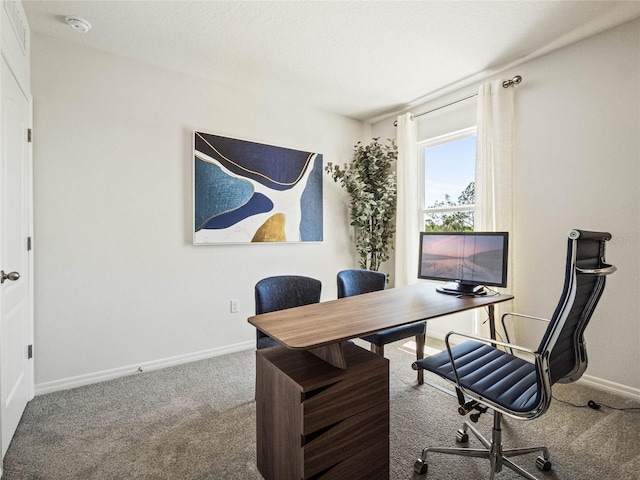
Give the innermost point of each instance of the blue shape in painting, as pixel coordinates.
(259, 203)
(277, 168)
(311, 205)
(217, 192)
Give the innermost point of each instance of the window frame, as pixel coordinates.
(432, 142)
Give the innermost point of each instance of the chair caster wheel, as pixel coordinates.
(420, 467)
(543, 464)
(462, 436)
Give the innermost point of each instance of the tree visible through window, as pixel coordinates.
(448, 193)
(458, 221)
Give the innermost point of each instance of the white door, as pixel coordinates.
(14, 258)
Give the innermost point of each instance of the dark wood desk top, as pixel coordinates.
(331, 322)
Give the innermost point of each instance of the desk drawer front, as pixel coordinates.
(345, 398)
(345, 439)
(371, 463)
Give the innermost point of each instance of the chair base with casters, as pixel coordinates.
(492, 451)
(488, 375)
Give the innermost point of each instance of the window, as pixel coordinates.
(448, 181)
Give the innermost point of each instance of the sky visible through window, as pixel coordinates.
(448, 169)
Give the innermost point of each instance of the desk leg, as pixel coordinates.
(492, 322)
(332, 353)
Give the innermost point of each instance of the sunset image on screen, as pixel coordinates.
(472, 258)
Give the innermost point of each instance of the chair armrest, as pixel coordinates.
(531, 317)
(519, 315)
(488, 341)
(604, 270)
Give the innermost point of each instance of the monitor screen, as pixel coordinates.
(468, 260)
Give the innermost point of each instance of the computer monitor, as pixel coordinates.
(468, 261)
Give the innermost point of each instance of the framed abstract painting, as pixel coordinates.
(247, 192)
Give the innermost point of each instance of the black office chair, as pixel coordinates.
(281, 292)
(509, 385)
(357, 282)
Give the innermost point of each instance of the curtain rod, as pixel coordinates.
(506, 84)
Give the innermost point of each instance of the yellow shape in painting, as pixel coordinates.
(272, 230)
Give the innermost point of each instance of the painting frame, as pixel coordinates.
(245, 192)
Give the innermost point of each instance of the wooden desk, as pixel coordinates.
(330, 421)
(321, 327)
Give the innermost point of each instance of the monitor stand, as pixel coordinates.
(455, 288)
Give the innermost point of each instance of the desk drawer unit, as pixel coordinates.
(318, 422)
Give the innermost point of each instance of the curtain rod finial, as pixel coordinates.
(514, 81)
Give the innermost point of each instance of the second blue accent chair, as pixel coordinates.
(357, 282)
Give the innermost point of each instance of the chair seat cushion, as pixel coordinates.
(398, 333)
(508, 381)
(266, 342)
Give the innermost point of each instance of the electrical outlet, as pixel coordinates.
(235, 305)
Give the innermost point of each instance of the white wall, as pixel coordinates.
(118, 283)
(577, 166)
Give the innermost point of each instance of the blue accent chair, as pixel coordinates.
(488, 375)
(357, 282)
(281, 292)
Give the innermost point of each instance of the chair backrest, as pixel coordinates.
(586, 270)
(285, 291)
(357, 282)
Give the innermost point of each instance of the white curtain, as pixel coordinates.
(494, 161)
(407, 224)
(494, 167)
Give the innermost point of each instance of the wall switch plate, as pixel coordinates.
(235, 305)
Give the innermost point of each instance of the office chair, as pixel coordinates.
(357, 282)
(510, 385)
(281, 292)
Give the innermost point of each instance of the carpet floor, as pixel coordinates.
(197, 421)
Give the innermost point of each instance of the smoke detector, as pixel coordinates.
(78, 24)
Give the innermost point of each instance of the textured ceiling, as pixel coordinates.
(360, 59)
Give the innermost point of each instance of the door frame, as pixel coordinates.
(31, 298)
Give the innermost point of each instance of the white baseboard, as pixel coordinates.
(611, 387)
(95, 377)
(88, 379)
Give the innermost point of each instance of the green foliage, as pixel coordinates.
(452, 221)
(370, 183)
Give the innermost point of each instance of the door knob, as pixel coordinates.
(13, 276)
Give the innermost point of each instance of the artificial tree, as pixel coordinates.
(370, 182)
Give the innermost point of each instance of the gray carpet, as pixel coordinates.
(197, 421)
